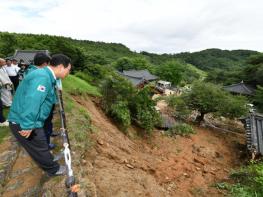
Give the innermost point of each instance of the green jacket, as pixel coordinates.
(34, 99)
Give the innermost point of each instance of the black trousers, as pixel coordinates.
(2, 118)
(37, 147)
(15, 81)
(48, 125)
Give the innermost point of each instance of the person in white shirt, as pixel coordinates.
(12, 71)
(4, 84)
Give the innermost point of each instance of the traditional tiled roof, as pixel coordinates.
(137, 77)
(135, 81)
(27, 55)
(142, 74)
(240, 88)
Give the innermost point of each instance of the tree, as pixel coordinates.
(116, 92)
(125, 104)
(143, 110)
(209, 98)
(258, 99)
(254, 72)
(8, 44)
(171, 71)
(126, 63)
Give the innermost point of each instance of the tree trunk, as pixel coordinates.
(200, 118)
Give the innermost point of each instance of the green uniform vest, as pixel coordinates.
(34, 99)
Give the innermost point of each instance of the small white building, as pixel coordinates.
(165, 87)
(163, 84)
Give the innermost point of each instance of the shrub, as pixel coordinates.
(125, 104)
(120, 112)
(182, 129)
(248, 181)
(143, 109)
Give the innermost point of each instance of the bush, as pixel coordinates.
(182, 129)
(248, 181)
(84, 76)
(120, 112)
(143, 109)
(125, 104)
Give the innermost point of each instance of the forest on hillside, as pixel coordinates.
(95, 60)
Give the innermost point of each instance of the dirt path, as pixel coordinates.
(160, 166)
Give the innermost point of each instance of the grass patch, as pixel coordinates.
(4, 131)
(79, 124)
(182, 129)
(248, 181)
(76, 86)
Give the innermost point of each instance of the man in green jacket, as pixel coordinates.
(31, 106)
(42, 60)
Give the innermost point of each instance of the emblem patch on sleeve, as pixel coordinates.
(41, 88)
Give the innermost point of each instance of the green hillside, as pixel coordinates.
(217, 58)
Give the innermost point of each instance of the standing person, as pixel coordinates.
(42, 60)
(22, 70)
(31, 106)
(12, 71)
(6, 85)
(4, 81)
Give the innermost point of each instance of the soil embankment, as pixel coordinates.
(161, 165)
(121, 166)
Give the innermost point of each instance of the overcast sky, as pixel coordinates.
(160, 26)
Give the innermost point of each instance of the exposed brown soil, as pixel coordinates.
(122, 166)
(158, 166)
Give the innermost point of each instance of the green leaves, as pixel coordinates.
(125, 104)
(209, 98)
(258, 99)
(171, 71)
(136, 63)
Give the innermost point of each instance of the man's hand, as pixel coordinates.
(25, 133)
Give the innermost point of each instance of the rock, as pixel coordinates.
(198, 169)
(186, 175)
(125, 161)
(205, 169)
(199, 161)
(130, 166)
(212, 172)
(100, 142)
(83, 161)
(213, 169)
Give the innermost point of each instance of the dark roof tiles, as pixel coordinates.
(27, 55)
(240, 88)
(137, 77)
(145, 74)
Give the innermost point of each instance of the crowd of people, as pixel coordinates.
(30, 92)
